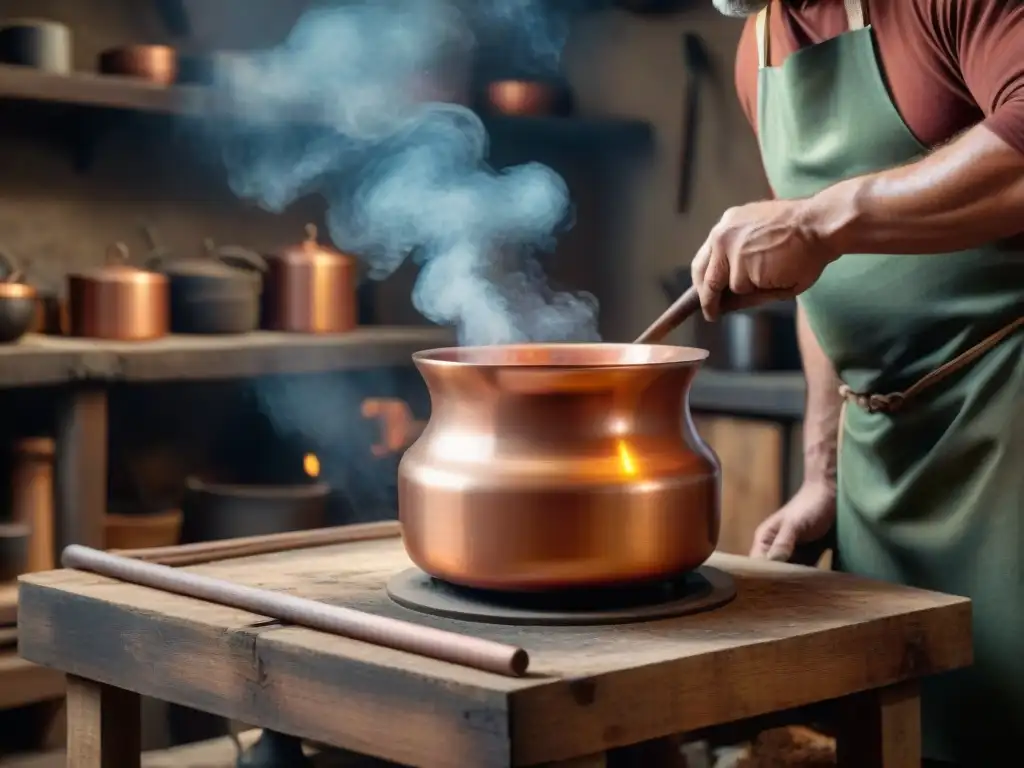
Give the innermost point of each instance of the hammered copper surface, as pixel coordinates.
(559, 466)
(310, 289)
(118, 302)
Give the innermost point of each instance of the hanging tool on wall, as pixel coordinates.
(697, 65)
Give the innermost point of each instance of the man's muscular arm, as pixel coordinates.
(821, 410)
(967, 193)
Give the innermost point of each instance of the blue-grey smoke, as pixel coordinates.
(403, 170)
(404, 173)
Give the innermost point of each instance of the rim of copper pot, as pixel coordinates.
(604, 356)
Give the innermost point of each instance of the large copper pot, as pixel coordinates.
(310, 288)
(559, 466)
(118, 302)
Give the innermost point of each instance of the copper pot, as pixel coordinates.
(310, 288)
(117, 301)
(527, 98)
(156, 63)
(548, 466)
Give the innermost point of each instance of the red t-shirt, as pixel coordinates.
(949, 64)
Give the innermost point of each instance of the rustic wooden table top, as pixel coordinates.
(793, 636)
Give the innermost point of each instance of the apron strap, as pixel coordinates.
(762, 31)
(856, 14)
(856, 18)
(892, 402)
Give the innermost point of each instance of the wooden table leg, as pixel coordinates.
(880, 728)
(80, 469)
(104, 726)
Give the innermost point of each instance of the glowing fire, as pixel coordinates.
(626, 460)
(311, 464)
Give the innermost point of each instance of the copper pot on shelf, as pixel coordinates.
(550, 466)
(527, 98)
(118, 301)
(310, 288)
(155, 63)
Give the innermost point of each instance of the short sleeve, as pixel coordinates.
(985, 41)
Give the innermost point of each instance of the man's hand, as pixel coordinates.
(762, 252)
(808, 516)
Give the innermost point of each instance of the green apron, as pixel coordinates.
(930, 490)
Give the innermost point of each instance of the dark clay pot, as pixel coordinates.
(215, 294)
(214, 511)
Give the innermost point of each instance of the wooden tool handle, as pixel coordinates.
(467, 651)
(682, 310)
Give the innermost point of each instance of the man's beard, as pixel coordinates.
(739, 8)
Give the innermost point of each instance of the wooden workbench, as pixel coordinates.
(793, 637)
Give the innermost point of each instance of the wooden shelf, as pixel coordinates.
(111, 92)
(37, 360)
(22, 682)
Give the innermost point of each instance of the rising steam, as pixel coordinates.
(403, 172)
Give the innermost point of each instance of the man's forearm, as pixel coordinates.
(968, 193)
(822, 409)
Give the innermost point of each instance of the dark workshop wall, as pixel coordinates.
(620, 64)
(626, 64)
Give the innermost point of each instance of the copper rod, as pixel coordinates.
(464, 650)
(248, 546)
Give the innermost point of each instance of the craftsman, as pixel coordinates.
(892, 134)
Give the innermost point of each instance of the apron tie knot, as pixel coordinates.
(873, 403)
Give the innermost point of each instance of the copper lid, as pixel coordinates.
(118, 270)
(312, 252)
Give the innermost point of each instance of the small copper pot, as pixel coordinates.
(310, 289)
(156, 63)
(551, 466)
(118, 301)
(527, 98)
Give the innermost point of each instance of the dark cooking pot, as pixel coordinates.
(759, 339)
(218, 293)
(13, 550)
(44, 45)
(18, 302)
(214, 511)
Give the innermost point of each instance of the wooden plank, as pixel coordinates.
(107, 91)
(80, 468)
(8, 604)
(792, 637)
(37, 360)
(104, 726)
(751, 454)
(23, 683)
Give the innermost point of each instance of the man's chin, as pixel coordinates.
(739, 8)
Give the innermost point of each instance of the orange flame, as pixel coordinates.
(311, 464)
